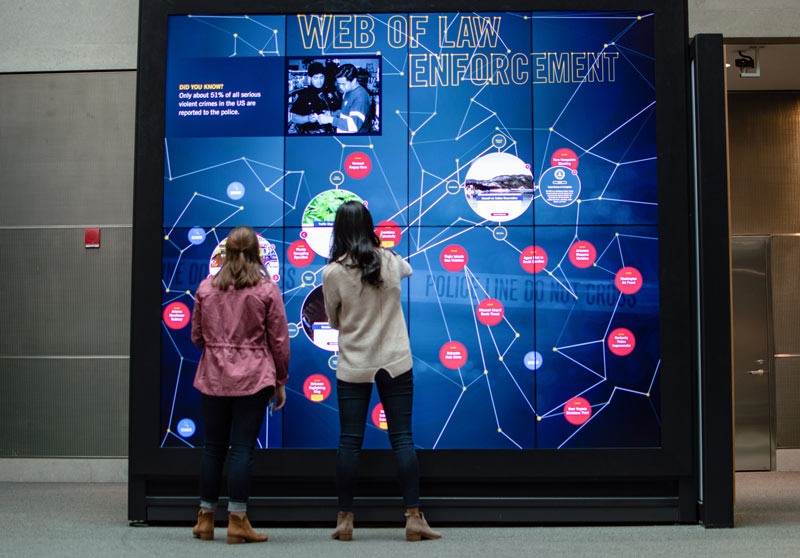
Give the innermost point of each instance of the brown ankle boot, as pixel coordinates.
(240, 530)
(204, 530)
(417, 528)
(344, 526)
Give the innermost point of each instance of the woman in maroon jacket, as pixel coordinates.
(240, 323)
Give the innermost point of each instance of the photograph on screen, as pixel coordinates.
(330, 96)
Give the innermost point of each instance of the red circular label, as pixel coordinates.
(177, 315)
(564, 158)
(357, 165)
(379, 417)
(300, 253)
(628, 280)
(389, 233)
(533, 259)
(582, 254)
(577, 410)
(621, 341)
(317, 388)
(453, 258)
(490, 312)
(453, 355)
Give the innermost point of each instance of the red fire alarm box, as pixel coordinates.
(92, 238)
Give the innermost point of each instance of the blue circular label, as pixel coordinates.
(333, 362)
(293, 330)
(186, 428)
(197, 235)
(500, 233)
(560, 186)
(235, 190)
(532, 360)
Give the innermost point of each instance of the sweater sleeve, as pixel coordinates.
(277, 333)
(405, 268)
(333, 301)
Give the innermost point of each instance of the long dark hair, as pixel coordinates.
(354, 236)
(242, 267)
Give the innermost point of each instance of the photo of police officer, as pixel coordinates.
(334, 96)
(319, 97)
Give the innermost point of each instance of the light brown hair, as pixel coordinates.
(242, 267)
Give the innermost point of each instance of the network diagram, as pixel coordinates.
(527, 211)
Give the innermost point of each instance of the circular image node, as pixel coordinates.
(490, 312)
(293, 330)
(379, 417)
(499, 187)
(453, 355)
(452, 187)
(269, 257)
(235, 190)
(628, 280)
(196, 235)
(533, 259)
(532, 360)
(176, 315)
(186, 428)
(389, 233)
(621, 341)
(315, 322)
(582, 254)
(317, 388)
(333, 362)
(318, 218)
(357, 165)
(564, 158)
(453, 258)
(560, 186)
(300, 253)
(577, 411)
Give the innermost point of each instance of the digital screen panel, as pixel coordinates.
(509, 157)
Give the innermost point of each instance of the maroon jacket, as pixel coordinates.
(244, 337)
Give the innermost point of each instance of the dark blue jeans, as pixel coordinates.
(234, 422)
(396, 395)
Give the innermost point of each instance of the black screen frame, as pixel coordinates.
(666, 475)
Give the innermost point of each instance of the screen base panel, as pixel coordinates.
(600, 502)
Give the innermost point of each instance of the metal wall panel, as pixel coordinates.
(764, 136)
(59, 298)
(63, 407)
(785, 259)
(787, 388)
(66, 148)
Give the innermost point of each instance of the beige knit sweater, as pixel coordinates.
(371, 324)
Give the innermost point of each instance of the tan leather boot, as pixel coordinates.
(417, 528)
(240, 530)
(204, 530)
(344, 526)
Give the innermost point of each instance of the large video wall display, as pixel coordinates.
(509, 157)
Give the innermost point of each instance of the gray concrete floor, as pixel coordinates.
(88, 520)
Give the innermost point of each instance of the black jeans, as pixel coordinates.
(396, 395)
(234, 422)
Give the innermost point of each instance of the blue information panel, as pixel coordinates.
(509, 157)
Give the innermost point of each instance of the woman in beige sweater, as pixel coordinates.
(361, 284)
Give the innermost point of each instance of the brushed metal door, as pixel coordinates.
(752, 353)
